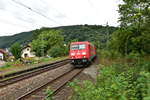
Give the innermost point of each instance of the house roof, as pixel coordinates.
(3, 51)
(26, 46)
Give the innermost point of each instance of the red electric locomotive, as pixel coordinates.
(81, 53)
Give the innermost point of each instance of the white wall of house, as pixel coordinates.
(1, 56)
(26, 52)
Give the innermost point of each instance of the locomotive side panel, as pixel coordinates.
(92, 52)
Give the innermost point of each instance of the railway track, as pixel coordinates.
(18, 76)
(56, 84)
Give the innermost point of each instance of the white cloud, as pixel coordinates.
(15, 18)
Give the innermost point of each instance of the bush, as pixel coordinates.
(57, 51)
(16, 50)
(6, 65)
(30, 60)
(109, 54)
(116, 82)
(49, 93)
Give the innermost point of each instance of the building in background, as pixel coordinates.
(27, 52)
(3, 54)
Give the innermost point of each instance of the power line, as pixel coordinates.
(29, 8)
(91, 4)
(56, 10)
(52, 8)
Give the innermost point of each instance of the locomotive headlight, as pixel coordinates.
(83, 53)
(72, 54)
(84, 56)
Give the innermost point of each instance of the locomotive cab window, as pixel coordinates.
(74, 47)
(82, 46)
(78, 46)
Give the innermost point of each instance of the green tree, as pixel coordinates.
(57, 51)
(133, 34)
(39, 47)
(134, 12)
(38, 32)
(46, 40)
(16, 50)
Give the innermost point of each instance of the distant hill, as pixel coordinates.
(7, 41)
(78, 32)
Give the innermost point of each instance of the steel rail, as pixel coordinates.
(62, 80)
(32, 72)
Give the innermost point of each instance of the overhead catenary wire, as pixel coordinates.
(66, 17)
(52, 8)
(29, 8)
(91, 4)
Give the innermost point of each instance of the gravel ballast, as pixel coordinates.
(90, 73)
(13, 91)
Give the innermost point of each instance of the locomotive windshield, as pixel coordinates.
(78, 46)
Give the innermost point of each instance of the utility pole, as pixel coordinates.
(107, 37)
(42, 47)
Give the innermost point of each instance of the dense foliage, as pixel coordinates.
(134, 32)
(49, 42)
(94, 33)
(116, 82)
(58, 51)
(22, 38)
(54, 47)
(16, 50)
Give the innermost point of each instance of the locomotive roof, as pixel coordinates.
(86, 42)
(80, 42)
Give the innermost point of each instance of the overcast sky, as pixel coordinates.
(25, 15)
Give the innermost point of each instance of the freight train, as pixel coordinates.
(81, 53)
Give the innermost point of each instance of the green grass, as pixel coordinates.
(6, 66)
(11, 67)
(49, 94)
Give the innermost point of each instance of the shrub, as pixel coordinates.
(30, 60)
(116, 82)
(109, 54)
(16, 50)
(7, 65)
(49, 93)
(57, 51)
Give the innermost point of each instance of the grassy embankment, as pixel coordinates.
(11, 67)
